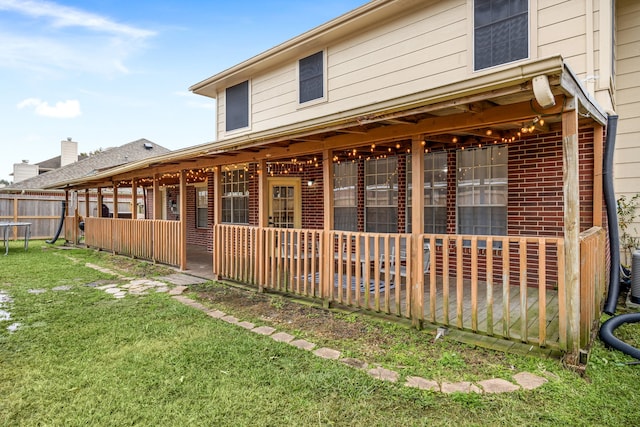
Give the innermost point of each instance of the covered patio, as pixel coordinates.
(504, 238)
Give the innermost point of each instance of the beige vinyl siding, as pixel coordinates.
(627, 155)
(275, 91)
(403, 55)
(562, 30)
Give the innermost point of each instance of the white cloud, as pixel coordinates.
(62, 110)
(64, 16)
(67, 39)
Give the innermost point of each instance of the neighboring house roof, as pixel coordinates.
(54, 163)
(111, 157)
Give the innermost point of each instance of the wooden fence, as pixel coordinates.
(511, 287)
(156, 240)
(593, 270)
(42, 211)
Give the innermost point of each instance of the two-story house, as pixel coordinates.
(440, 161)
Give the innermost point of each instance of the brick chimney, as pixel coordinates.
(68, 152)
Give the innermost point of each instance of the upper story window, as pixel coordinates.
(235, 197)
(311, 77)
(482, 190)
(237, 106)
(501, 32)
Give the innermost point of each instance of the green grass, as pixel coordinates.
(82, 357)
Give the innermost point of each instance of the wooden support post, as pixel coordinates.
(417, 230)
(75, 220)
(134, 198)
(66, 214)
(86, 203)
(157, 199)
(327, 256)
(99, 198)
(571, 224)
(183, 219)
(598, 147)
(263, 223)
(115, 200)
(218, 252)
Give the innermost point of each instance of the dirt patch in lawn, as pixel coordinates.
(356, 335)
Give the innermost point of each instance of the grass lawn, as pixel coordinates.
(79, 356)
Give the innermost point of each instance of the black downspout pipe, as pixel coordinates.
(612, 216)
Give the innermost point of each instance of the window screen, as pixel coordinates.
(345, 196)
(435, 192)
(381, 195)
(235, 197)
(482, 191)
(237, 106)
(202, 211)
(311, 77)
(501, 32)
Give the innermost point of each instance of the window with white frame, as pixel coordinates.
(237, 106)
(311, 77)
(501, 32)
(345, 196)
(202, 207)
(482, 188)
(235, 196)
(381, 195)
(435, 192)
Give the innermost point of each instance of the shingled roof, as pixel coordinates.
(111, 157)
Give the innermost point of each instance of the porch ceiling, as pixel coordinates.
(491, 109)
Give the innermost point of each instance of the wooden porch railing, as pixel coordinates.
(156, 240)
(511, 287)
(592, 280)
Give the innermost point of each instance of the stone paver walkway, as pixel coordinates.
(180, 282)
(521, 381)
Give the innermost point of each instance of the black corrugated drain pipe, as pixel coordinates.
(608, 327)
(612, 216)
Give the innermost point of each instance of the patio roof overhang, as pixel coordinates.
(501, 100)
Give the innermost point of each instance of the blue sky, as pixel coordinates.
(107, 72)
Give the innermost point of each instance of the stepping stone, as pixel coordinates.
(327, 353)
(37, 291)
(282, 337)
(182, 299)
(103, 287)
(461, 387)
(246, 325)
(183, 279)
(230, 319)
(383, 374)
(529, 381)
(162, 289)
(354, 363)
(112, 290)
(216, 314)
(178, 290)
(422, 384)
(264, 330)
(119, 295)
(61, 288)
(498, 385)
(303, 344)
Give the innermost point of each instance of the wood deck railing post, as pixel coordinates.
(115, 200)
(217, 230)
(571, 198)
(417, 229)
(327, 255)
(263, 222)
